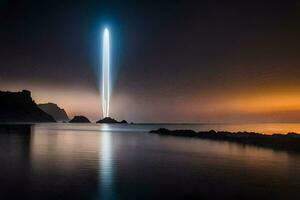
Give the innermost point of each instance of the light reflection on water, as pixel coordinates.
(106, 163)
(89, 161)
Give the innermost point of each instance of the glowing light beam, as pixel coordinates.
(105, 73)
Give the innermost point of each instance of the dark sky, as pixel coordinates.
(175, 61)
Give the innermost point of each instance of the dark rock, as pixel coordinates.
(288, 142)
(161, 131)
(52, 109)
(19, 107)
(80, 119)
(109, 120)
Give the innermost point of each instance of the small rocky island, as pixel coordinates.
(79, 119)
(288, 142)
(109, 120)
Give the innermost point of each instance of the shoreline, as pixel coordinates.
(288, 142)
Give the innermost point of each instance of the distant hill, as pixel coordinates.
(52, 109)
(79, 119)
(19, 107)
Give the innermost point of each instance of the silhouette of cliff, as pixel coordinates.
(52, 109)
(19, 107)
(80, 119)
(109, 120)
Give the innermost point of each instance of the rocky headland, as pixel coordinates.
(55, 111)
(19, 107)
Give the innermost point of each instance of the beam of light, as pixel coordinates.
(105, 73)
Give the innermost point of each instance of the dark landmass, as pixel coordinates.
(52, 109)
(109, 120)
(19, 107)
(289, 142)
(15, 128)
(80, 119)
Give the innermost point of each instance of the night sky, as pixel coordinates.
(173, 61)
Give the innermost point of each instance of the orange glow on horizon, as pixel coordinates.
(266, 103)
(244, 105)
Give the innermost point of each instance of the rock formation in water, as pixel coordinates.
(288, 142)
(19, 107)
(52, 109)
(80, 119)
(109, 120)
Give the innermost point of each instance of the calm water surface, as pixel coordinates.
(89, 161)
